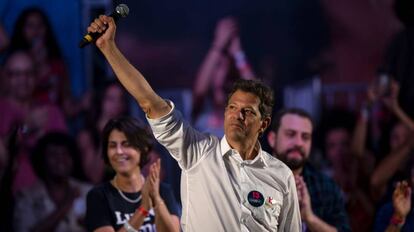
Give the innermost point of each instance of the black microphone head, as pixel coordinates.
(122, 10)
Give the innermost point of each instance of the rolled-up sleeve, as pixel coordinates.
(184, 143)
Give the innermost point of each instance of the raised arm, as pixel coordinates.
(359, 136)
(215, 65)
(388, 167)
(135, 83)
(391, 101)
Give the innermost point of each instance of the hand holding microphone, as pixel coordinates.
(100, 25)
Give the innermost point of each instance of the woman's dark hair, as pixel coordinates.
(258, 88)
(38, 157)
(136, 134)
(19, 41)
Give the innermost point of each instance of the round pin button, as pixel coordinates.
(255, 198)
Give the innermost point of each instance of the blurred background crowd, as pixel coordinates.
(349, 63)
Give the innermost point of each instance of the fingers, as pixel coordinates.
(300, 184)
(100, 24)
(299, 187)
(155, 168)
(226, 29)
(154, 173)
(405, 189)
(402, 190)
(302, 189)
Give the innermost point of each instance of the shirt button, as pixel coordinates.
(243, 220)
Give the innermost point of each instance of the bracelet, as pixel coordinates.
(143, 211)
(129, 228)
(397, 221)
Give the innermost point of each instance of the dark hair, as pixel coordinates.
(258, 88)
(134, 131)
(295, 111)
(18, 40)
(38, 157)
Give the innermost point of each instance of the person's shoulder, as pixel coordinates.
(100, 189)
(310, 172)
(317, 178)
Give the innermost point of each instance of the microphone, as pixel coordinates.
(121, 11)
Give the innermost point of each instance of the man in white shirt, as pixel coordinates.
(229, 184)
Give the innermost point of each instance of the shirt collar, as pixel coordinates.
(259, 160)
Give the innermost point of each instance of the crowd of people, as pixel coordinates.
(106, 173)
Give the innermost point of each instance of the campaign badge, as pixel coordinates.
(255, 198)
(270, 202)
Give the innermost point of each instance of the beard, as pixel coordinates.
(292, 163)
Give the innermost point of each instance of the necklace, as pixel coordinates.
(125, 197)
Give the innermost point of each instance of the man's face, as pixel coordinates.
(292, 142)
(242, 118)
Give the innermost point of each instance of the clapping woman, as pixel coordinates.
(129, 202)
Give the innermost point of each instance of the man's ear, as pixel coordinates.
(271, 139)
(265, 124)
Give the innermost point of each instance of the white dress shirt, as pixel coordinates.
(222, 192)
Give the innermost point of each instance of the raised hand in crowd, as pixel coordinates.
(226, 29)
(401, 202)
(390, 100)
